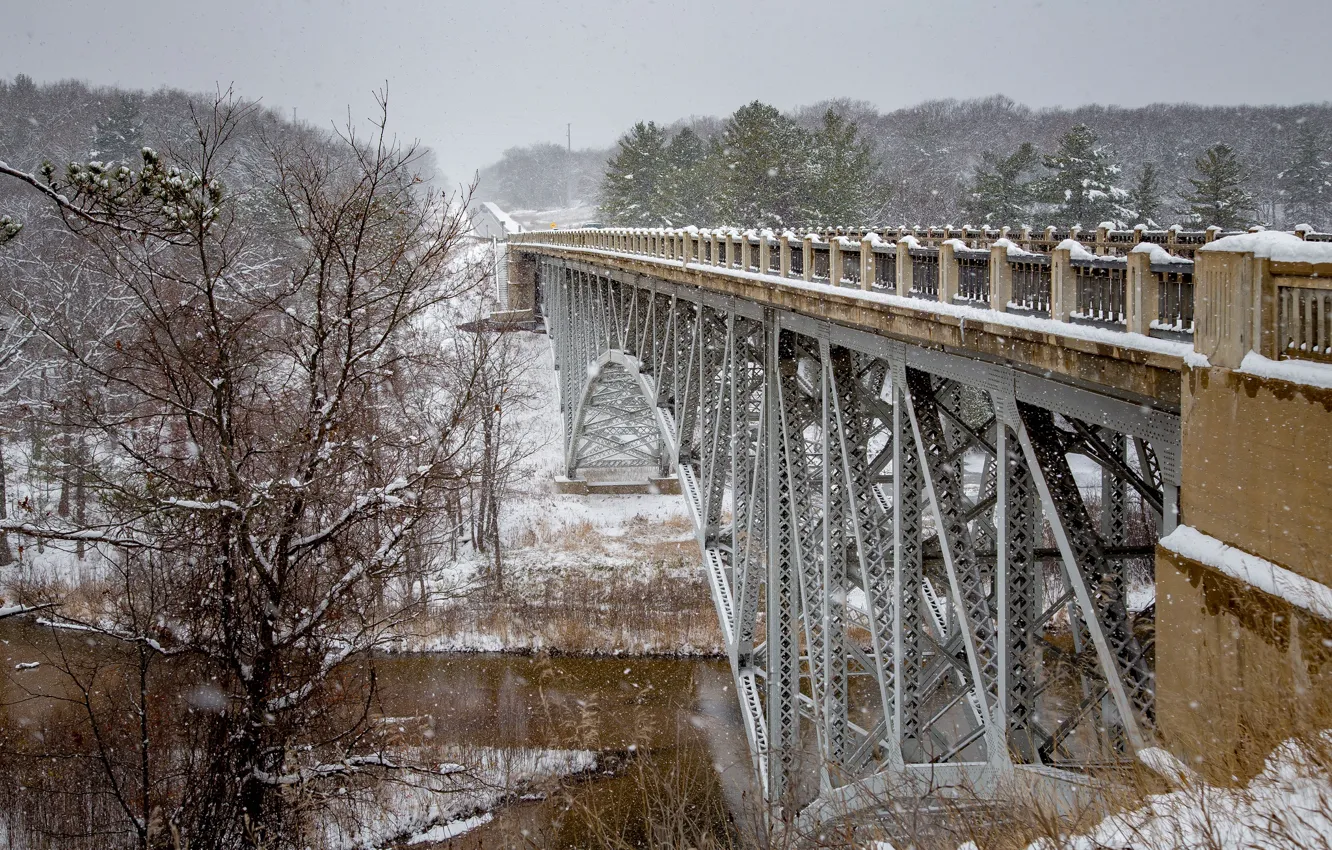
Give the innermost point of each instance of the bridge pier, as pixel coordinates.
(1244, 638)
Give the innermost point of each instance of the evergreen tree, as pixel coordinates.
(1306, 183)
(119, 135)
(632, 192)
(840, 176)
(688, 182)
(761, 158)
(1144, 200)
(998, 194)
(1218, 196)
(1081, 187)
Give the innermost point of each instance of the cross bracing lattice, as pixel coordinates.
(911, 580)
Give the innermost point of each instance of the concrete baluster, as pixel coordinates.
(904, 265)
(1142, 292)
(835, 261)
(808, 256)
(1001, 278)
(765, 252)
(948, 273)
(716, 248)
(1102, 246)
(1063, 289)
(746, 250)
(785, 258)
(867, 269)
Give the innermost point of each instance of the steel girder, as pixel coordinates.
(875, 521)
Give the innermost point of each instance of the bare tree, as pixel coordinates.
(267, 440)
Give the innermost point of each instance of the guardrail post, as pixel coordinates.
(835, 261)
(867, 269)
(1024, 238)
(765, 252)
(948, 271)
(1102, 246)
(686, 247)
(1063, 289)
(1001, 278)
(746, 250)
(784, 257)
(715, 253)
(904, 265)
(807, 267)
(1228, 286)
(1143, 292)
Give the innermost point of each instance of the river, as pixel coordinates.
(667, 734)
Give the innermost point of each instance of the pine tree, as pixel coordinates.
(1081, 187)
(998, 194)
(1306, 183)
(1144, 200)
(119, 135)
(688, 182)
(1218, 196)
(632, 192)
(761, 158)
(840, 176)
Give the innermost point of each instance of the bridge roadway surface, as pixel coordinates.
(917, 595)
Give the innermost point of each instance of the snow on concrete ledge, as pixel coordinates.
(1274, 245)
(1268, 577)
(967, 313)
(1294, 371)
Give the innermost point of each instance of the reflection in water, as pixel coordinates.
(669, 731)
(667, 734)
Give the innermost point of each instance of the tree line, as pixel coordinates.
(968, 162)
(763, 169)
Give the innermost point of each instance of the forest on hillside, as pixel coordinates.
(945, 162)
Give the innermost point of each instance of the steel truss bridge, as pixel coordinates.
(914, 588)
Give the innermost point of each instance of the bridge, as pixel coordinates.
(933, 474)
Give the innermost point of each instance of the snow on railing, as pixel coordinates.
(1135, 281)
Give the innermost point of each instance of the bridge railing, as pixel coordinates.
(1276, 304)
(1148, 290)
(1265, 293)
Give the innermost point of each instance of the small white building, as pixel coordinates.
(491, 222)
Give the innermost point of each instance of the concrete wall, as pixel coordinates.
(1257, 467)
(1237, 670)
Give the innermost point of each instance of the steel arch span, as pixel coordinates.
(913, 586)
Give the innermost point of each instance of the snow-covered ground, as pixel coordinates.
(599, 574)
(432, 809)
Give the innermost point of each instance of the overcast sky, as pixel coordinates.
(472, 78)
